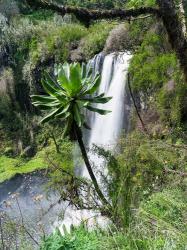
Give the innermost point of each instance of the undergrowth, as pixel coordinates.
(152, 229)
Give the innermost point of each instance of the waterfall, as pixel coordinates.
(105, 130)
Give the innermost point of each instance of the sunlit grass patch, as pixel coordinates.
(9, 167)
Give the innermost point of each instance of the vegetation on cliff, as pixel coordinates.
(146, 181)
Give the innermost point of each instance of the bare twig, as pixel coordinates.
(135, 105)
(2, 235)
(22, 220)
(140, 17)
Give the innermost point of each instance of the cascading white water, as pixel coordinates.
(106, 129)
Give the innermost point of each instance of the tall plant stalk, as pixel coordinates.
(79, 136)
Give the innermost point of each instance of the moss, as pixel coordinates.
(156, 74)
(95, 41)
(9, 167)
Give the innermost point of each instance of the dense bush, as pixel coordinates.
(157, 77)
(142, 167)
(95, 40)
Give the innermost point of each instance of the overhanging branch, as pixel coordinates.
(86, 15)
(166, 12)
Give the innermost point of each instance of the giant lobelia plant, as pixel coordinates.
(71, 92)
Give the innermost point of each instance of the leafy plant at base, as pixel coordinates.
(68, 95)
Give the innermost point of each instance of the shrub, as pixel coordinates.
(158, 78)
(95, 41)
(142, 167)
(119, 39)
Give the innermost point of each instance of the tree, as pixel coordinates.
(166, 11)
(68, 95)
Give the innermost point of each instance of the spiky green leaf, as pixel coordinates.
(94, 85)
(42, 98)
(100, 111)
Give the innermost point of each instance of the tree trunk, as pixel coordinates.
(89, 168)
(182, 15)
(175, 30)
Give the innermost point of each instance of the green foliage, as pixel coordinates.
(94, 4)
(56, 42)
(78, 239)
(14, 127)
(172, 102)
(156, 74)
(9, 167)
(95, 40)
(158, 224)
(140, 3)
(150, 67)
(168, 208)
(139, 170)
(40, 15)
(68, 95)
(58, 162)
(108, 4)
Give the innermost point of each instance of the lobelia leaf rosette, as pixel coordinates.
(69, 94)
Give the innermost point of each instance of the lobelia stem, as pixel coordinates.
(89, 168)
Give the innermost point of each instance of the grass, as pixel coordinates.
(82, 239)
(158, 225)
(9, 167)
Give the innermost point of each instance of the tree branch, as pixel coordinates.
(85, 15)
(166, 11)
(136, 108)
(175, 31)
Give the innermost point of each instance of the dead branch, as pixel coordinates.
(22, 222)
(135, 105)
(2, 234)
